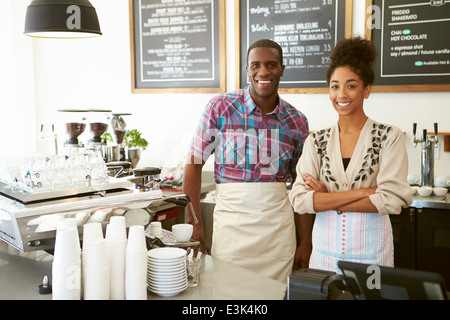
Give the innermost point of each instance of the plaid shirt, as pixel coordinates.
(247, 146)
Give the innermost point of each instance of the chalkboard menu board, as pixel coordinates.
(178, 45)
(307, 30)
(413, 43)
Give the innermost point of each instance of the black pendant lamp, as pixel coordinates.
(61, 19)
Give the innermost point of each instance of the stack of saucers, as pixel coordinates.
(166, 272)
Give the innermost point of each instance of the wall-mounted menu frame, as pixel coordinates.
(307, 31)
(412, 42)
(178, 46)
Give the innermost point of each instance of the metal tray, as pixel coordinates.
(27, 197)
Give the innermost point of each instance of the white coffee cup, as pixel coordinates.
(182, 232)
(442, 181)
(425, 191)
(413, 179)
(439, 192)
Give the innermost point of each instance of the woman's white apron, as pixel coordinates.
(352, 236)
(254, 228)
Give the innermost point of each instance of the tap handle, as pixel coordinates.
(414, 128)
(424, 135)
(436, 129)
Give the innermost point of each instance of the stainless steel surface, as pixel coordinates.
(111, 153)
(427, 172)
(133, 155)
(194, 215)
(22, 273)
(432, 202)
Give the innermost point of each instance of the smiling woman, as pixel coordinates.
(353, 174)
(347, 93)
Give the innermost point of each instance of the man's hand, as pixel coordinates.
(302, 255)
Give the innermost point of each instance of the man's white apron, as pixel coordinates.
(254, 228)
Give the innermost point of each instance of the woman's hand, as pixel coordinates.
(312, 183)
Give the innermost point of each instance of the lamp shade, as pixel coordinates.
(61, 19)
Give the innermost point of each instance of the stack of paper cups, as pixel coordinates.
(136, 265)
(66, 267)
(96, 284)
(116, 239)
(91, 232)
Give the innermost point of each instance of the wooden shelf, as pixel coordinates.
(439, 133)
(447, 143)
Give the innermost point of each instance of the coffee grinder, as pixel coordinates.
(119, 129)
(75, 124)
(98, 125)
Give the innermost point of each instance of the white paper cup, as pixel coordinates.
(95, 256)
(66, 223)
(182, 232)
(136, 239)
(66, 281)
(116, 255)
(136, 275)
(92, 231)
(116, 229)
(96, 285)
(67, 247)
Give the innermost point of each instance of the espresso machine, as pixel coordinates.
(429, 143)
(32, 206)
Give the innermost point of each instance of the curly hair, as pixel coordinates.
(358, 54)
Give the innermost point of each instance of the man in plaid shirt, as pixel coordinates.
(256, 138)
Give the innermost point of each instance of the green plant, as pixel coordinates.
(134, 139)
(107, 137)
